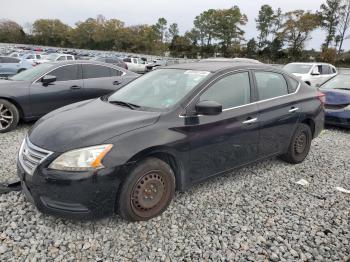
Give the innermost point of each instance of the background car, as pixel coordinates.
(35, 92)
(135, 64)
(312, 74)
(53, 57)
(337, 91)
(111, 60)
(12, 65)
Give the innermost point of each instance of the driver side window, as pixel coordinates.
(66, 73)
(230, 91)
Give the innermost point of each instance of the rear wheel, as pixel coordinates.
(300, 145)
(147, 190)
(9, 116)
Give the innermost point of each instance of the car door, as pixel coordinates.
(100, 80)
(278, 111)
(230, 139)
(67, 89)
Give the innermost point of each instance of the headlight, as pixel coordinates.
(89, 158)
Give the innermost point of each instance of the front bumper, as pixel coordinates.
(338, 118)
(73, 195)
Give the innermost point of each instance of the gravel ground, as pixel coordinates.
(257, 214)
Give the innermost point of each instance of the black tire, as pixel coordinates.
(147, 191)
(299, 146)
(21, 70)
(9, 116)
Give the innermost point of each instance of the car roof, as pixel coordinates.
(219, 66)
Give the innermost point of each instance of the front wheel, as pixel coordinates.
(299, 146)
(9, 116)
(147, 191)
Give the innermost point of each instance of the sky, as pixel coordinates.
(134, 12)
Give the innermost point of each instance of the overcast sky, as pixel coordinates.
(148, 11)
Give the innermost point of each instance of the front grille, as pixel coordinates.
(30, 156)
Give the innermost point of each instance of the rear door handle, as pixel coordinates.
(250, 121)
(293, 109)
(75, 87)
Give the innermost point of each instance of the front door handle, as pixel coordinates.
(293, 109)
(75, 87)
(250, 121)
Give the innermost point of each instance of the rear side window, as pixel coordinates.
(69, 58)
(333, 70)
(66, 73)
(270, 85)
(293, 84)
(326, 70)
(9, 60)
(230, 91)
(95, 71)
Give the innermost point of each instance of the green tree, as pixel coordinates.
(344, 23)
(252, 48)
(173, 30)
(228, 29)
(50, 32)
(160, 28)
(329, 15)
(297, 28)
(11, 32)
(264, 22)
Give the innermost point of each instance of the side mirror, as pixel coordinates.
(209, 108)
(48, 79)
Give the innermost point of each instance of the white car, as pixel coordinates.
(314, 74)
(34, 58)
(135, 64)
(59, 57)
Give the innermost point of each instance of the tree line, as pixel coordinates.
(281, 36)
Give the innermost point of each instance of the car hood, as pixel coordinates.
(337, 96)
(85, 124)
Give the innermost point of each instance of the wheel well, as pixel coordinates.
(15, 104)
(311, 124)
(167, 158)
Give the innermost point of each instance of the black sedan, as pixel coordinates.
(128, 152)
(46, 87)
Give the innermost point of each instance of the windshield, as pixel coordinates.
(297, 68)
(32, 74)
(159, 89)
(338, 82)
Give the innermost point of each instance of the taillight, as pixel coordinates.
(321, 97)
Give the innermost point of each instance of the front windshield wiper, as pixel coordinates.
(126, 104)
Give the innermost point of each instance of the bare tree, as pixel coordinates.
(344, 23)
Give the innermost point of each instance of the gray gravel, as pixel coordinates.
(257, 214)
